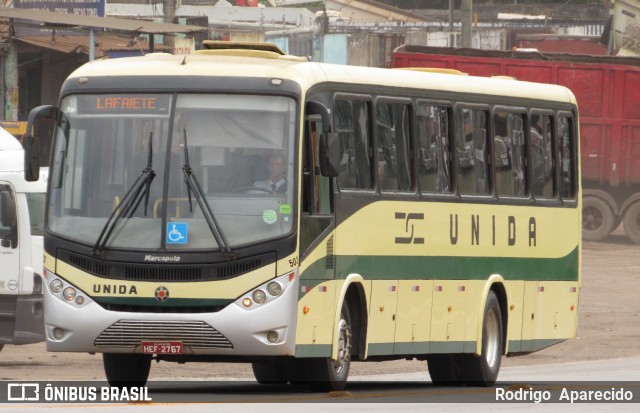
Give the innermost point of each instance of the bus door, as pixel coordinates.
(317, 220)
(9, 251)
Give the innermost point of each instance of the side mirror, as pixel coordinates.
(32, 140)
(31, 159)
(329, 154)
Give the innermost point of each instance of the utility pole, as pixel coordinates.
(451, 36)
(169, 10)
(467, 20)
(11, 98)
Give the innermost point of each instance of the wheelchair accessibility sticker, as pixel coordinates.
(177, 232)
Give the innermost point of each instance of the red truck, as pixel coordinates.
(608, 92)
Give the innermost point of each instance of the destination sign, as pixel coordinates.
(124, 104)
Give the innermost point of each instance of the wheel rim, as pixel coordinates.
(591, 218)
(344, 347)
(493, 338)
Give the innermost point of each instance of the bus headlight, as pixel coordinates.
(274, 288)
(64, 291)
(69, 293)
(56, 286)
(267, 292)
(259, 296)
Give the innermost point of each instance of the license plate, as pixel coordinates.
(162, 347)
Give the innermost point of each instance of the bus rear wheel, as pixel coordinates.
(126, 370)
(325, 374)
(483, 370)
(445, 369)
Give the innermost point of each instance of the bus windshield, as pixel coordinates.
(240, 150)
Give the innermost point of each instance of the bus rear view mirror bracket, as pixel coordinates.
(32, 140)
(330, 154)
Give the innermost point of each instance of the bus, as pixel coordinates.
(428, 216)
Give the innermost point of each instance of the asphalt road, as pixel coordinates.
(406, 392)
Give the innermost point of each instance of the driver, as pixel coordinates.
(277, 181)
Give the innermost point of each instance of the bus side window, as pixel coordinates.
(8, 218)
(434, 155)
(543, 167)
(472, 166)
(509, 153)
(352, 124)
(394, 145)
(566, 149)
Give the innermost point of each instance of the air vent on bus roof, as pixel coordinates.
(226, 45)
(434, 70)
(261, 50)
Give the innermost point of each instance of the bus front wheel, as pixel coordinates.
(325, 374)
(126, 370)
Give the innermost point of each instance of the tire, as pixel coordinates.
(325, 374)
(445, 369)
(597, 219)
(631, 221)
(270, 372)
(126, 370)
(483, 370)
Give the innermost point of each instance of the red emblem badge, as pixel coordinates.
(162, 294)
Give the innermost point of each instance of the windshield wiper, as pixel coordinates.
(130, 202)
(194, 186)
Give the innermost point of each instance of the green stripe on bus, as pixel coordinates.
(313, 350)
(526, 346)
(420, 347)
(450, 347)
(423, 347)
(380, 349)
(450, 268)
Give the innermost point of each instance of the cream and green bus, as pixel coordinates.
(242, 205)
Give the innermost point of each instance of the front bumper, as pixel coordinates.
(233, 331)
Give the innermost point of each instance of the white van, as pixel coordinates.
(22, 206)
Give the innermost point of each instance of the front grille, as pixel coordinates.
(134, 273)
(130, 333)
(166, 272)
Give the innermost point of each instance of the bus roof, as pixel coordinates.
(308, 74)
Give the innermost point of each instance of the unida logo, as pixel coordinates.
(162, 294)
